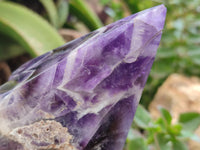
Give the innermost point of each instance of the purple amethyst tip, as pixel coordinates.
(82, 95)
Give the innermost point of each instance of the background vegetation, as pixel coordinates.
(32, 28)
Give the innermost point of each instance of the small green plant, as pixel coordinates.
(162, 134)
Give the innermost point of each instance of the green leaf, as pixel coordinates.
(137, 144)
(28, 28)
(190, 121)
(105, 2)
(175, 129)
(161, 123)
(142, 117)
(85, 14)
(154, 128)
(51, 11)
(133, 5)
(166, 116)
(152, 131)
(189, 135)
(12, 48)
(162, 142)
(179, 145)
(63, 11)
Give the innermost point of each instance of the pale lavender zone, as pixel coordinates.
(99, 67)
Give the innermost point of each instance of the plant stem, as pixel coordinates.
(156, 142)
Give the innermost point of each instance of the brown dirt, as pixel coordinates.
(4, 72)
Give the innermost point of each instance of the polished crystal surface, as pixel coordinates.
(82, 95)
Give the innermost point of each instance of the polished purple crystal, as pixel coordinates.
(82, 95)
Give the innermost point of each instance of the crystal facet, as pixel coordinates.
(82, 95)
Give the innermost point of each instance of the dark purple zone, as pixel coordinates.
(59, 73)
(114, 126)
(123, 76)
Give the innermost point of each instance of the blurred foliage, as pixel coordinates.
(162, 134)
(35, 41)
(32, 31)
(56, 12)
(10, 47)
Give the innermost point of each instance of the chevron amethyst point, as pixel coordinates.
(82, 95)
